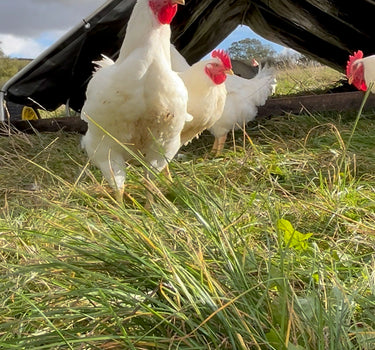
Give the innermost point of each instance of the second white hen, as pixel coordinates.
(243, 96)
(204, 81)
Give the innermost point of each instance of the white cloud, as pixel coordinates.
(20, 47)
(28, 27)
(32, 17)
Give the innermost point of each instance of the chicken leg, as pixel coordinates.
(219, 144)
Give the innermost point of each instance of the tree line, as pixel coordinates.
(248, 49)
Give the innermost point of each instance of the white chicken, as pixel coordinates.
(360, 71)
(242, 99)
(138, 101)
(241, 106)
(204, 81)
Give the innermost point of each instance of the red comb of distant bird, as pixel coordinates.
(356, 56)
(223, 56)
(254, 62)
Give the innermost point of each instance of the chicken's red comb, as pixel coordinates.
(356, 56)
(223, 56)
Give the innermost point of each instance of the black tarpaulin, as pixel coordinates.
(327, 30)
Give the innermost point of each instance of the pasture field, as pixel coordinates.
(297, 80)
(268, 246)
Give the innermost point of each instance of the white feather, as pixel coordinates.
(104, 62)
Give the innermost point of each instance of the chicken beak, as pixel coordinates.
(180, 2)
(350, 80)
(229, 72)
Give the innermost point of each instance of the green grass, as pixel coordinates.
(208, 268)
(9, 67)
(311, 79)
(269, 246)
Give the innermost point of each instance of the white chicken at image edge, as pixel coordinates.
(138, 100)
(360, 71)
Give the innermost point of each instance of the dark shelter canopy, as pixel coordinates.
(327, 30)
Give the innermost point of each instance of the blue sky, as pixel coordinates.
(242, 32)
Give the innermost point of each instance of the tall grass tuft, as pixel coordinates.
(267, 247)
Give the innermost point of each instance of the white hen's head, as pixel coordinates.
(219, 66)
(165, 10)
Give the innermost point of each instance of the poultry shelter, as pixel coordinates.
(326, 30)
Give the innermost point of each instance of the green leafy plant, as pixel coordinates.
(291, 237)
